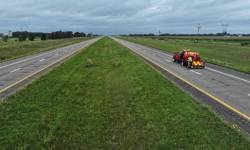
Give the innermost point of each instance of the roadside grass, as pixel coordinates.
(106, 98)
(227, 55)
(14, 49)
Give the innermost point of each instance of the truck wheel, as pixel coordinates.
(182, 63)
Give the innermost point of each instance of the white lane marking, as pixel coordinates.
(217, 71)
(15, 70)
(249, 94)
(208, 68)
(195, 72)
(25, 60)
(162, 53)
(42, 60)
(221, 101)
(168, 60)
(228, 75)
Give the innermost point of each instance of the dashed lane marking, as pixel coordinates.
(208, 68)
(228, 75)
(27, 59)
(42, 60)
(87, 44)
(221, 101)
(15, 70)
(195, 72)
(168, 60)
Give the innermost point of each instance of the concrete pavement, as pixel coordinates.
(16, 71)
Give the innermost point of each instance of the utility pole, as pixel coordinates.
(10, 33)
(224, 28)
(198, 28)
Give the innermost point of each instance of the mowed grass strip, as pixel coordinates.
(107, 98)
(14, 49)
(232, 56)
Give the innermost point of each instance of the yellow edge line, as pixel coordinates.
(46, 67)
(198, 88)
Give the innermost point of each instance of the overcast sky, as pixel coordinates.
(125, 16)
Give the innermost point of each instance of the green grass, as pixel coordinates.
(106, 98)
(221, 53)
(14, 49)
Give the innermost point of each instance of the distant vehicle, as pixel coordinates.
(189, 59)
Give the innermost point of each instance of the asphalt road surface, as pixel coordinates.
(16, 71)
(231, 89)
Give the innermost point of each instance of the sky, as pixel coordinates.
(125, 16)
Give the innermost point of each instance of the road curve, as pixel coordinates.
(230, 90)
(16, 71)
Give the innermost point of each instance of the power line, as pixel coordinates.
(224, 27)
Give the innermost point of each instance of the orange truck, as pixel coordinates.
(189, 59)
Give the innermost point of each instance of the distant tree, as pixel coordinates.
(31, 37)
(5, 38)
(79, 34)
(17, 34)
(22, 37)
(44, 37)
(89, 35)
(61, 35)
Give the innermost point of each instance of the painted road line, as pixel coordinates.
(249, 94)
(195, 72)
(14, 63)
(168, 60)
(217, 71)
(208, 68)
(46, 67)
(42, 60)
(27, 59)
(15, 70)
(214, 70)
(228, 75)
(247, 117)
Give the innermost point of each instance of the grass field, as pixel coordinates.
(225, 53)
(106, 98)
(211, 38)
(14, 49)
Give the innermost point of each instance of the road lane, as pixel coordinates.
(231, 89)
(15, 71)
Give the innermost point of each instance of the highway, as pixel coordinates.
(231, 90)
(16, 71)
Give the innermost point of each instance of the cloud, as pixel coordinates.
(130, 16)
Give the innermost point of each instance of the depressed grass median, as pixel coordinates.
(14, 49)
(106, 98)
(223, 53)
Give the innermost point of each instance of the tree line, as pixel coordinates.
(24, 35)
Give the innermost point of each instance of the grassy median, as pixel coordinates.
(14, 49)
(226, 53)
(106, 98)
